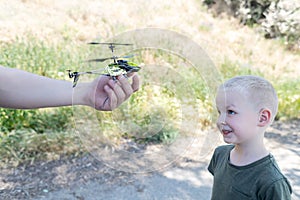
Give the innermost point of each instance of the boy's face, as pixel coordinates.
(238, 118)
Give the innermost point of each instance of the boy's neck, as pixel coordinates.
(247, 153)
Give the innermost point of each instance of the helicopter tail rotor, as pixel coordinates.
(74, 75)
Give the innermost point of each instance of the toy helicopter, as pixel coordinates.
(117, 68)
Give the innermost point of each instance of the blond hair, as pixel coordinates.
(258, 90)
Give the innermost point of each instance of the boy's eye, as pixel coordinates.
(231, 112)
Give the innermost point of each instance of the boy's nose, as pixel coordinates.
(221, 119)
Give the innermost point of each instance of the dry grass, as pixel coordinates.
(80, 21)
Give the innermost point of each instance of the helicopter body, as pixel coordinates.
(117, 68)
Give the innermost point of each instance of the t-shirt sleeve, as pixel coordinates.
(279, 190)
(212, 164)
(220, 155)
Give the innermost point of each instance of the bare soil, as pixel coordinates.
(84, 177)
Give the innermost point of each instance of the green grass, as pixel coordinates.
(289, 98)
(29, 135)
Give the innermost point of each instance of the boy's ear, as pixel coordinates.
(264, 117)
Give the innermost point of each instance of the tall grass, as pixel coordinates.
(27, 135)
(30, 134)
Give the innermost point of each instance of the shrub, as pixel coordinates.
(282, 19)
(278, 18)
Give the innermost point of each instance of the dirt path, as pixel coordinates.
(177, 183)
(86, 178)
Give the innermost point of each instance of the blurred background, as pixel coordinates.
(47, 37)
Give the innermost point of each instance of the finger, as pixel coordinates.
(112, 102)
(102, 80)
(130, 74)
(121, 96)
(135, 83)
(125, 85)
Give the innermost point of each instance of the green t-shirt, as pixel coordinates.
(259, 180)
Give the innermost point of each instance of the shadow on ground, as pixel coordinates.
(85, 178)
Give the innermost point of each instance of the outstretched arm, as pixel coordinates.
(23, 90)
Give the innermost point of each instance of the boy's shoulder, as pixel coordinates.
(220, 158)
(223, 150)
(269, 172)
(272, 180)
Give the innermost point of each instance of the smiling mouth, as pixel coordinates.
(226, 132)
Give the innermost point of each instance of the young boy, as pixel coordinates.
(247, 105)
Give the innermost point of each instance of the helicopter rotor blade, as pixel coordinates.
(100, 59)
(114, 57)
(128, 56)
(99, 71)
(109, 43)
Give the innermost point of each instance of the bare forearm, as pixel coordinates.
(23, 90)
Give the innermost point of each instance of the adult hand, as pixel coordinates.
(107, 94)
